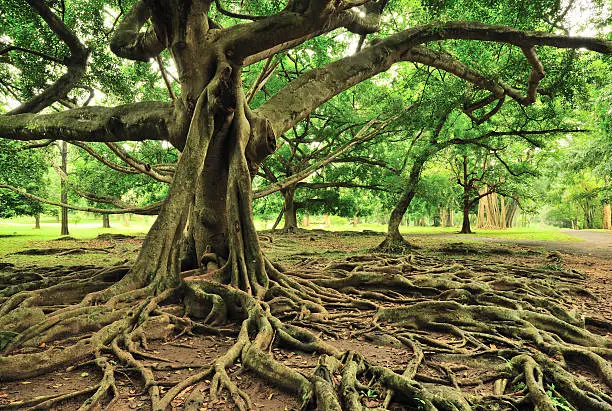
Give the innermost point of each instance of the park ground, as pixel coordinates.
(587, 252)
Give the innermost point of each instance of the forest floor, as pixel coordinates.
(182, 356)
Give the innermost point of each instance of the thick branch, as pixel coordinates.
(136, 122)
(130, 42)
(300, 97)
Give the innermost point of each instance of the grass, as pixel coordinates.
(19, 234)
(515, 233)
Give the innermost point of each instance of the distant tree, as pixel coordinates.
(22, 168)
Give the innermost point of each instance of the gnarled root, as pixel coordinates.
(474, 337)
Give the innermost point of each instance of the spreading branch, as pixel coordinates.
(319, 85)
(149, 120)
(151, 209)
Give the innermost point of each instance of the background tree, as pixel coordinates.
(23, 168)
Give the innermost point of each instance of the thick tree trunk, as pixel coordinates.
(63, 188)
(105, 221)
(290, 209)
(37, 221)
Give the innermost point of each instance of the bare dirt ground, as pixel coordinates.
(174, 357)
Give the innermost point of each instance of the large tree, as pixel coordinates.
(203, 247)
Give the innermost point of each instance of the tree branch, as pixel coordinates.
(144, 168)
(152, 209)
(76, 63)
(130, 42)
(319, 85)
(363, 135)
(136, 122)
(100, 158)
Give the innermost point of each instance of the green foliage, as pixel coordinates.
(559, 402)
(25, 169)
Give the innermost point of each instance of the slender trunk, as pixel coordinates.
(465, 226)
(450, 220)
(105, 221)
(326, 220)
(290, 209)
(278, 218)
(511, 212)
(404, 201)
(63, 188)
(37, 221)
(306, 220)
(607, 217)
(467, 188)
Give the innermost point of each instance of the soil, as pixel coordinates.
(180, 356)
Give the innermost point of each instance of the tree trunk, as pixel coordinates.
(306, 220)
(465, 226)
(63, 188)
(105, 221)
(481, 220)
(37, 221)
(395, 219)
(290, 209)
(450, 220)
(326, 220)
(607, 217)
(511, 212)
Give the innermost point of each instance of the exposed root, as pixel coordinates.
(494, 337)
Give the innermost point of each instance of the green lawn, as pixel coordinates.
(515, 233)
(19, 233)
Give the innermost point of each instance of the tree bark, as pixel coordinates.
(105, 221)
(63, 188)
(465, 226)
(37, 221)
